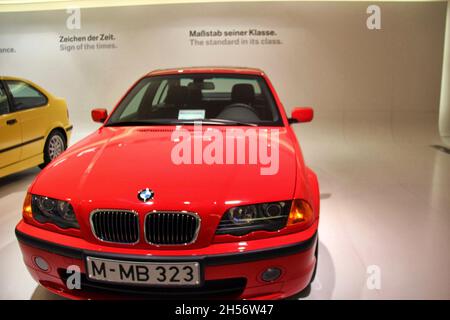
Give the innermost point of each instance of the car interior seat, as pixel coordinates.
(240, 109)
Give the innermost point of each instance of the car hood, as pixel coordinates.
(110, 166)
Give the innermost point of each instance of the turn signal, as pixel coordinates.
(301, 212)
(26, 211)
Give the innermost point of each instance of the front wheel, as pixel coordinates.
(54, 146)
(307, 290)
(316, 254)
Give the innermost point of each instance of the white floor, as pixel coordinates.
(385, 205)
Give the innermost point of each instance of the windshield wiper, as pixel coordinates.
(211, 121)
(140, 123)
(226, 122)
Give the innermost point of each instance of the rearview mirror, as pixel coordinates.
(301, 114)
(99, 115)
(204, 85)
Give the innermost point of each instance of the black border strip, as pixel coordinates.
(21, 144)
(49, 246)
(69, 128)
(211, 260)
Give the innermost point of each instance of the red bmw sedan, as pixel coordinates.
(194, 186)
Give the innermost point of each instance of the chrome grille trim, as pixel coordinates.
(174, 228)
(115, 226)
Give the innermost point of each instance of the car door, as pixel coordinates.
(31, 107)
(10, 132)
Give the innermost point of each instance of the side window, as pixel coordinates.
(24, 95)
(4, 106)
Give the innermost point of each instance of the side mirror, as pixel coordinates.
(99, 115)
(301, 114)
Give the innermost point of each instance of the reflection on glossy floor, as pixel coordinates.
(385, 203)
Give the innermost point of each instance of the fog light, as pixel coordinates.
(41, 263)
(271, 274)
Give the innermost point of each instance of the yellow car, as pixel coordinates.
(34, 125)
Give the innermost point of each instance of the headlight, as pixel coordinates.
(270, 216)
(245, 219)
(55, 211)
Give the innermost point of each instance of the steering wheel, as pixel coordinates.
(250, 111)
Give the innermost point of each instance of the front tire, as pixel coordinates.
(305, 292)
(55, 145)
(316, 254)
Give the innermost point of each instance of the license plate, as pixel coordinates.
(144, 273)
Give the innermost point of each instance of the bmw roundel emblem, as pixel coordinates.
(145, 194)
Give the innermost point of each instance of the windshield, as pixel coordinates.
(216, 99)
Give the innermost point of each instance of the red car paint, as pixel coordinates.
(105, 170)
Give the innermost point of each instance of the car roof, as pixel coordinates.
(11, 78)
(212, 69)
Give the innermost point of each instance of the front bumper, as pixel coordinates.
(230, 270)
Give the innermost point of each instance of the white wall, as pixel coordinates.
(328, 58)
